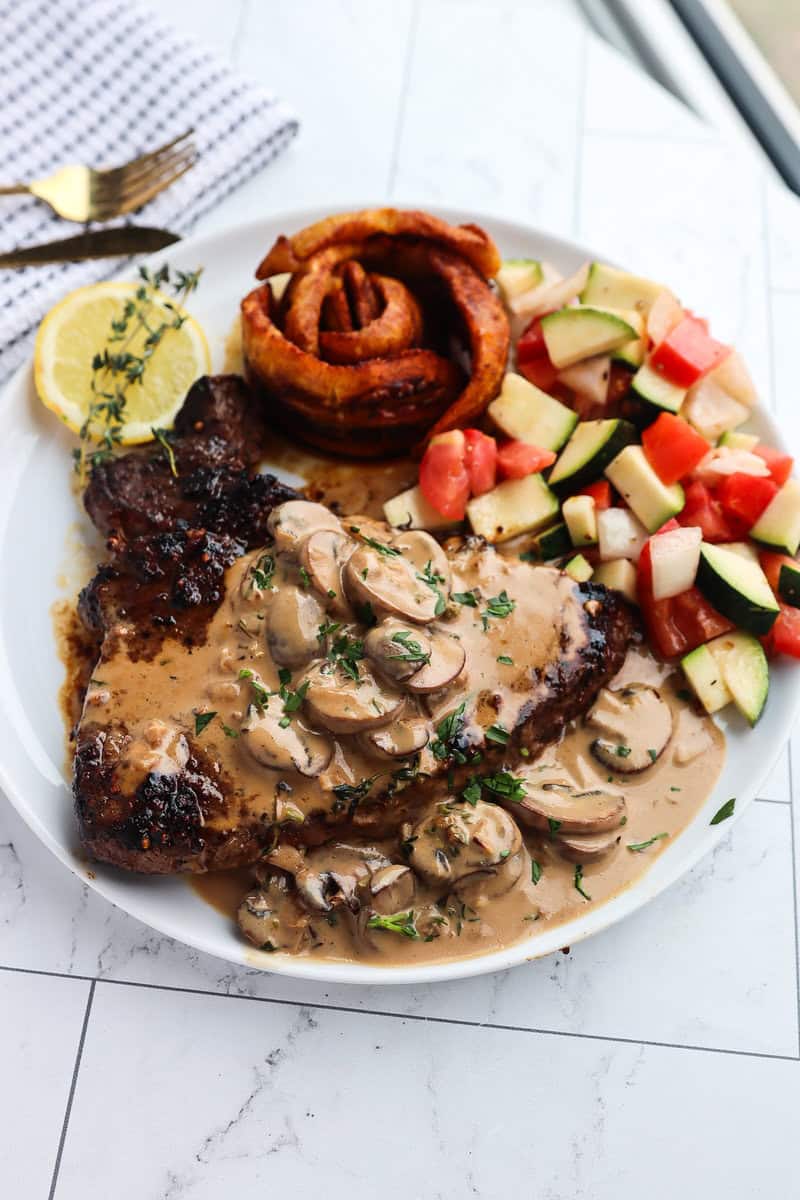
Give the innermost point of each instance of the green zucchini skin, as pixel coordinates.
(734, 604)
(789, 585)
(593, 467)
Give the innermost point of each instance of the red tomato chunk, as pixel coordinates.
(673, 448)
(688, 352)
(515, 459)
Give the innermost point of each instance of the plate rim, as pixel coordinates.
(623, 904)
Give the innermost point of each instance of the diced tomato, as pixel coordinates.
(703, 510)
(771, 563)
(677, 625)
(744, 497)
(480, 456)
(540, 372)
(688, 352)
(672, 447)
(443, 475)
(600, 493)
(531, 344)
(780, 464)
(515, 459)
(784, 636)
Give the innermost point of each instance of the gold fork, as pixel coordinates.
(83, 194)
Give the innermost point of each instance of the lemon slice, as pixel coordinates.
(78, 328)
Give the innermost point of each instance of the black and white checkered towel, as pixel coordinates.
(98, 82)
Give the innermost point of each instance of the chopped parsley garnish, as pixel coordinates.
(674, 789)
(346, 653)
(412, 650)
(293, 700)
(505, 660)
(623, 751)
(231, 733)
(262, 571)
(305, 578)
(351, 794)
(468, 599)
(472, 792)
(448, 732)
(327, 627)
(637, 846)
(331, 594)
(653, 755)
(536, 871)
(496, 733)
(553, 825)
(381, 547)
(723, 813)
(432, 579)
(578, 881)
(261, 694)
(201, 720)
(402, 923)
(504, 784)
(498, 606)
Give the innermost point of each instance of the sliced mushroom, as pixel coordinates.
(391, 583)
(271, 918)
(559, 808)
(332, 875)
(638, 724)
(426, 555)
(392, 889)
(323, 554)
(295, 616)
(445, 664)
(397, 651)
(454, 843)
(280, 746)
(401, 739)
(346, 705)
(587, 847)
(292, 522)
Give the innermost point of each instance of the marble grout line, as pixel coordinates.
(402, 102)
(68, 1110)
(461, 1022)
(580, 133)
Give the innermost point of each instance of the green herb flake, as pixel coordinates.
(468, 599)
(723, 813)
(263, 570)
(472, 792)
(201, 720)
(504, 784)
(412, 650)
(351, 795)
(578, 882)
(402, 923)
(553, 825)
(162, 437)
(381, 547)
(639, 846)
(498, 606)
(305, 578)
(622, 751)
(231, 733)
(675, 789)
(496, 733)
(536, 871)
(653, 755)
(505, 660)
(448, 732)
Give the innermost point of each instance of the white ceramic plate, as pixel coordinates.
(42, 530)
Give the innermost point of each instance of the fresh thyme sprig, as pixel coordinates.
(116, 368)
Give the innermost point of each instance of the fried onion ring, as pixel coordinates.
(468, 241)
(398, 327)
(367, 410)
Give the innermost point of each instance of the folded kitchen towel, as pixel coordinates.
(98, 82)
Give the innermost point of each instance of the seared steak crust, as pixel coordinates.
(217, 441)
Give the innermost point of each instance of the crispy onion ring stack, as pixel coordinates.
(387, 332)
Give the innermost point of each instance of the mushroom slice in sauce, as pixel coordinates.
(283, 747)
(332, 875)
(271, 918)
(392, 889)
(587, 847)
(398, 651)
(425, 554)
(638, 724)
(323, 554)
(345, 705)
(292, 522)
(295, 616)
(391, 583)
(558, 808)
(401, 739)
(445, 664)
(455, 842)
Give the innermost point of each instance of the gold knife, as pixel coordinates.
(97, 243)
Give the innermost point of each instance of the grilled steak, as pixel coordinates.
(336, 678)
(217, 442)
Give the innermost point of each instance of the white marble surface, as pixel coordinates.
(660, 1058)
